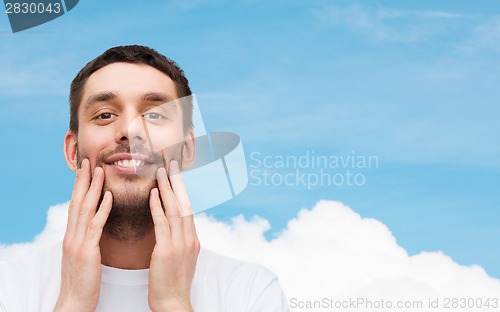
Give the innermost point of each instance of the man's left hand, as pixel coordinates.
(173, 261)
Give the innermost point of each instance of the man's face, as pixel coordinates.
(124, 124)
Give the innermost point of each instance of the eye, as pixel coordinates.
(154, 116)
(105, 116)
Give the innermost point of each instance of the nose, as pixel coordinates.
(131, 129)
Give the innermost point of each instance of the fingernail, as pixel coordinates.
(84, 163)
(97, 172)
(161, 173)
(107, 196)
(154, 191)
(174, 167)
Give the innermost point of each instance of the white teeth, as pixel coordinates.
(129, 163)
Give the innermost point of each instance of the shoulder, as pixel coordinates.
(210, 262)
(238, 285)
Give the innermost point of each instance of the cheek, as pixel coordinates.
(89, 148)
(170, 138)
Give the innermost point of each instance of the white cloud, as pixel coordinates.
(328, 251)
(52, 233)
(331, 251)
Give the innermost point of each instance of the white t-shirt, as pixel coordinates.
(220, 284)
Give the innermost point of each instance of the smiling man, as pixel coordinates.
(131, 242)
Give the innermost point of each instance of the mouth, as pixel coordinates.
(130, 163)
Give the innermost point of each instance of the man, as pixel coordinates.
(130, 242)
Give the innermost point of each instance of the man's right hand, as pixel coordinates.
(81, 260)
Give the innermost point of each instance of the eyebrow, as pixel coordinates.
(99, 97)
(157, 97)
(163, 100)
(110, 96)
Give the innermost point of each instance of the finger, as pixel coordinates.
(161, 223)
(189, 228)
(179, 190)
(89, 205)
(185, 208)
(80, 188)
(96, 225)
(166, 194)
(169, 202)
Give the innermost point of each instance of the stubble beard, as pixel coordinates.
(130, 216)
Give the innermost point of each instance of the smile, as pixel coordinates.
(130, 164)
(135, 163)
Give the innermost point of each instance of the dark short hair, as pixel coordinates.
(134, 54)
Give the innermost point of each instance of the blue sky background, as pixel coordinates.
(414, 83)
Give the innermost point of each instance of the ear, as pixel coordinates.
(70, 150)
(189, 150)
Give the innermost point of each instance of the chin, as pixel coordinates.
(130, 216)
(130, 192)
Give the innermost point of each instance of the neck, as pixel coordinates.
(127, 254)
